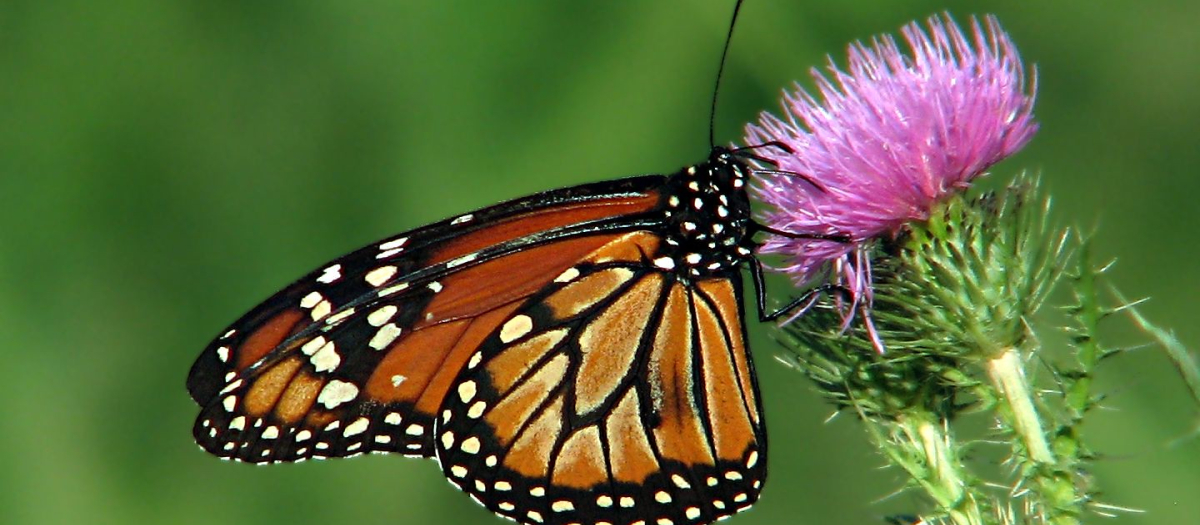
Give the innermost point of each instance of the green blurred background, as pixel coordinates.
(166, 165)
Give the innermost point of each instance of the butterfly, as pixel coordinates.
(574, 356)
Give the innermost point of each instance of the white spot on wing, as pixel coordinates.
(470, 445)
(326, 359)
(393, 244)
(476, 410)
(330, 274)
(569, 275)
(381, 315)
(322, 309)
(357, 427)
(397, 379)
(435, 286)
(464, 218)
(238, 423)
(515, 328)
(231, 387)
(336, 393)
(313, 345)
(380, 275)
(665, 263)
(466, 391)
(384, 337)
(311, 300)
(223, 354)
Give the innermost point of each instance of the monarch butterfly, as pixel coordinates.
(575, 356)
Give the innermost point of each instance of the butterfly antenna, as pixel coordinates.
(712, 114)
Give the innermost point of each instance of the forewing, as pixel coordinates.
(358, 355)
(620, 394)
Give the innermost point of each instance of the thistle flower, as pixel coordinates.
(881, 154)
(886, 140)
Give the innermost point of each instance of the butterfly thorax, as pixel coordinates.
(707, 216)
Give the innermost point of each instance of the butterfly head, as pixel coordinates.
(708, 217)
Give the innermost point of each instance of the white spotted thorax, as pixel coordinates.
(708, 217)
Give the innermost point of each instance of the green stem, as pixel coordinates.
(940, 472)
(1008, 377)
(1055, 492)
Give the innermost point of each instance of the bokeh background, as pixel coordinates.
(166, 165)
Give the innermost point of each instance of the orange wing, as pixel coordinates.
(359, 355)
(620, 393)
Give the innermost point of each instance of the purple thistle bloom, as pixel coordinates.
(887, 140)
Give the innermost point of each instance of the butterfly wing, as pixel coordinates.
(358, 355)
(620, 393)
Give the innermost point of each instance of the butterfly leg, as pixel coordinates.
(804, 302)
(838, 238)
(772, 144)
(833, 237)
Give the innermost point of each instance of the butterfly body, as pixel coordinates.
(576, 356)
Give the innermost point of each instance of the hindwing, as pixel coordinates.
(620, 393)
